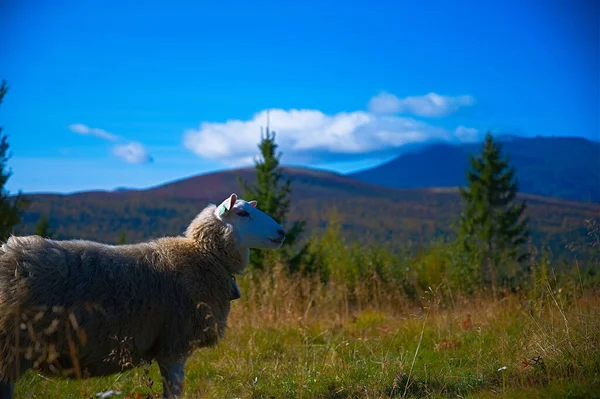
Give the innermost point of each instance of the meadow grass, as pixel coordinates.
(299, 338)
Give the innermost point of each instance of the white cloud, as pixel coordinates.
(133, 152)
(128, 151)
(467, 134)
(83, 129)
(385, 103)
(310, 136)
(429, 105)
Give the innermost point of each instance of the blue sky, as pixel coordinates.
(110, 94)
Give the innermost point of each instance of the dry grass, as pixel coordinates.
(298, 338)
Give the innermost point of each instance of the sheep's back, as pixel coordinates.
(62, 273)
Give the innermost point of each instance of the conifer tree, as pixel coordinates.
(492, 221)
(122, 238)
(272, 191)
(11, 209)
(42, 228)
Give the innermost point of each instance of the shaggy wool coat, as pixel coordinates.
(80, 308)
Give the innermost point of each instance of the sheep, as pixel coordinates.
(80, 309)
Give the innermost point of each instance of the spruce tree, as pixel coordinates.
(11, 209)
(492, 222)
(272, 191)
(42, 228)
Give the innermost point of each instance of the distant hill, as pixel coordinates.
(562, 167)
(368, 212)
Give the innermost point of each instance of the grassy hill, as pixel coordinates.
(367, 212)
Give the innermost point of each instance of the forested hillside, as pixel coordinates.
(399, 218)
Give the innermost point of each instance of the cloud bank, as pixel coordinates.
(128, 151)
(429, 105)
(307, 135)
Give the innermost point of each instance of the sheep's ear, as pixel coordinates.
(227, 204)
(232, 200)
(253, 203)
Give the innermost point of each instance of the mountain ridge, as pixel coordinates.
(369, 211)
(396, 217)
(565, 167)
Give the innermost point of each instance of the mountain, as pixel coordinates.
(562, 167)
(307, 183)
(367, 212)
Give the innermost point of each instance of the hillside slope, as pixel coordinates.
(368, 212)
(562, 167)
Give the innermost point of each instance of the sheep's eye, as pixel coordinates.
(243, 213)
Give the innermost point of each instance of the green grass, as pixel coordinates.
(282, 348)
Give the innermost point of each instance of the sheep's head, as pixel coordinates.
(252, 227)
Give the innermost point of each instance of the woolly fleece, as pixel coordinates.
(119, 305)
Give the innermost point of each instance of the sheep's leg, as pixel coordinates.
(7, 389)
(7, 385)
(172, 377)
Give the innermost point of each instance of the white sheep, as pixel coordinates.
(79, 308)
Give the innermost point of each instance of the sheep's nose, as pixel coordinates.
(281, 233)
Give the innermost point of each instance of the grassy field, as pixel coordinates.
(297, 338)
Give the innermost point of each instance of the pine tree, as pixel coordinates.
(11, 209)
(492, 221)
(42, 228)
(272, 191)
(122, 238)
